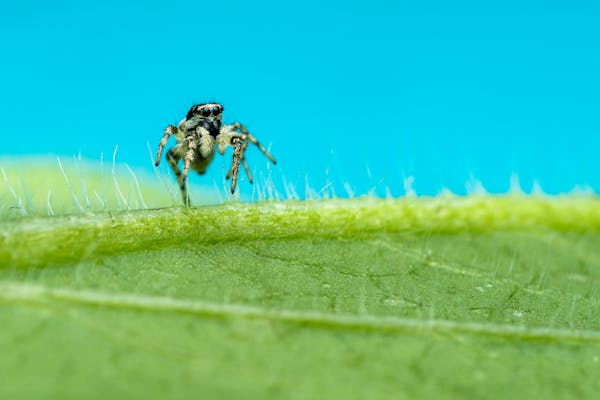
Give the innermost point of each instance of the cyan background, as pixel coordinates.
(368, 93)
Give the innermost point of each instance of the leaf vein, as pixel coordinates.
(15, 292)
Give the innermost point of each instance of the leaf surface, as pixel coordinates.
(478, 297)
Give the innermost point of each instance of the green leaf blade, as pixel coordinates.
(484, 297)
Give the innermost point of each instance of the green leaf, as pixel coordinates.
(447, 297)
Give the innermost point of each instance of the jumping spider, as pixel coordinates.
(198, 136)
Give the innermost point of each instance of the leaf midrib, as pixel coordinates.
(40, 241)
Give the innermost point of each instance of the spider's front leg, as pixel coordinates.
(169, 130)
(230, 137)
(238, 155)
(192, 145)
(226, 138)
(248, 136)
(244, 163)
(173, 158)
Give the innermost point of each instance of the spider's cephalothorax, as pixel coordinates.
(198, 136)
(207, 116)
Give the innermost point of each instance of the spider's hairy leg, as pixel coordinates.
(238, 155)
(244, 163)
(192, 145)
(169, 130)
(246, 168)
(173, 158)
(247, 135)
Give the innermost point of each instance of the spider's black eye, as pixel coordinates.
(216, 110)
(206, 111)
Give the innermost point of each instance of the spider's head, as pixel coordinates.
(207, 111)
(207, 115)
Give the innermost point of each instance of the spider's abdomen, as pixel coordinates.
(200, 164)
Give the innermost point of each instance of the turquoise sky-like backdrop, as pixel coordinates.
(361, 93)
